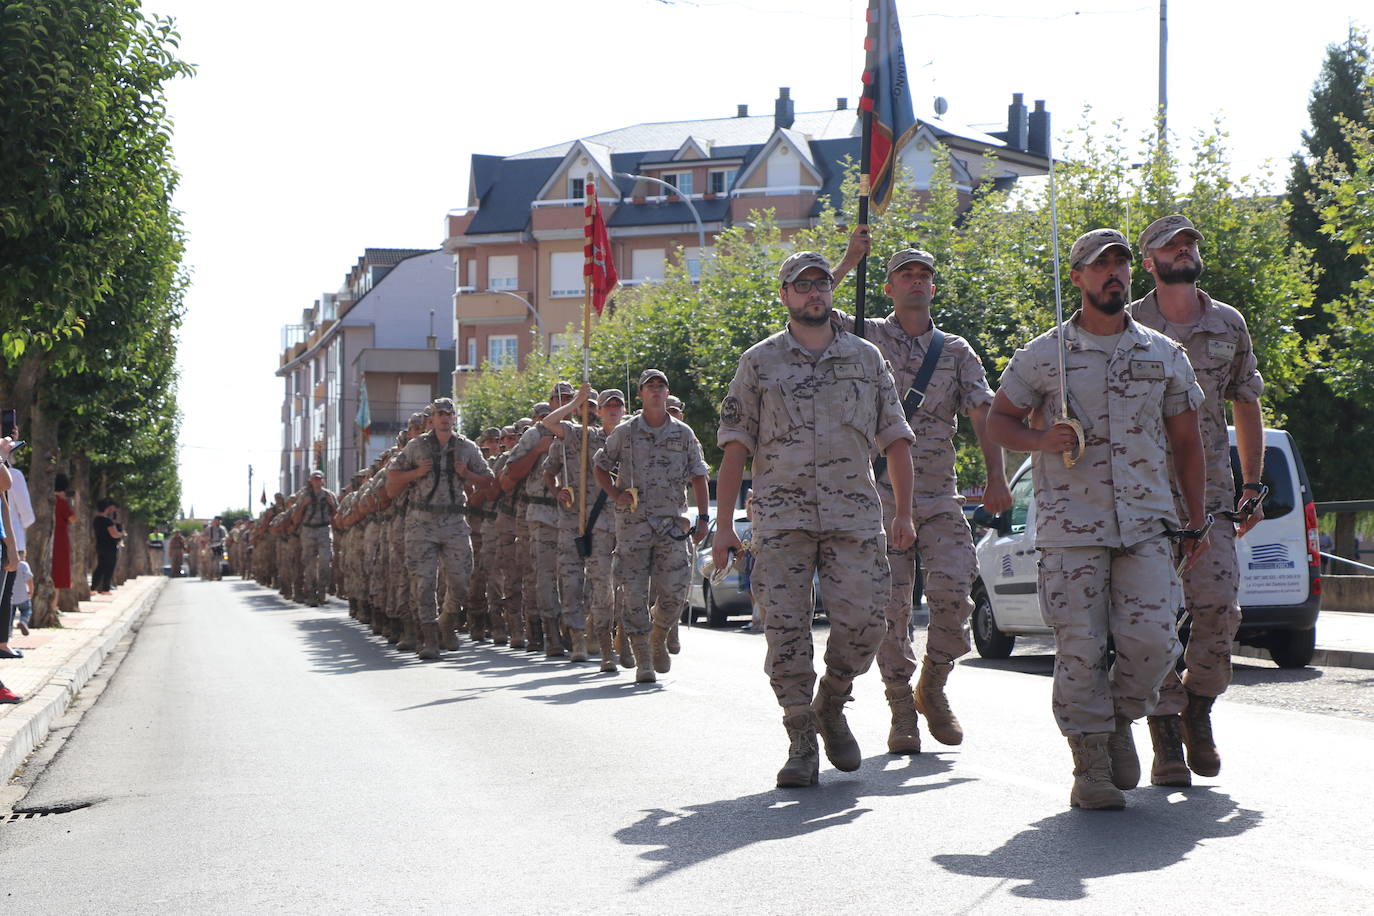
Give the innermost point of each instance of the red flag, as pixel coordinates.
(886, 98)
(599, 266)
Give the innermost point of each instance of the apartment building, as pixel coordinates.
(667, 189)
(363, 359)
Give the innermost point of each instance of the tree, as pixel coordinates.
(90, 290)
(1326, 416)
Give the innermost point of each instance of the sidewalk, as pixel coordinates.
(1345, 639)
(57, 663)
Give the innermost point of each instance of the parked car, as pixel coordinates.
(1280, 584)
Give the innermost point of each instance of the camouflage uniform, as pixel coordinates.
(1105, 567)
(436, 523)
(585, 584)
(317, 555)
(809, 423)
(1221, 354)
(943, 538)
(508, 558)
(541, 525)
(651, 542)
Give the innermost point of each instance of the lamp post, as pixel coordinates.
(538, 321)
(701, 228)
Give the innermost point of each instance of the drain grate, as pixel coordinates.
(27, 814)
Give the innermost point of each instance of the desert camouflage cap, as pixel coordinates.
(674, 402)
(444, 405)
(800, 261)
(492, 432)
(541, 409)
(1161, 231)
(651, 373)
(910, 256)
(611, 394)
(1089, 246)
(523, 424)
(508, 431)
(562, 390)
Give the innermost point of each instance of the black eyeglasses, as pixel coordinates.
(823, 285)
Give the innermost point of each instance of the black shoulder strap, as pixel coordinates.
(916, 394)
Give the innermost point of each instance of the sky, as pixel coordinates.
(314, 130)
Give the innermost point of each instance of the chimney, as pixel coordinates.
(1018, 127)
(1038, 139)
(741, 111)
(841, 104)
(784, 113)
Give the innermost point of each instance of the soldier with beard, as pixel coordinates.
(1219, 348)
(1106, 564)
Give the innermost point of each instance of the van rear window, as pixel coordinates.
(1276, 477)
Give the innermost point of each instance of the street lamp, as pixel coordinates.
(701, 229)
(538, 322)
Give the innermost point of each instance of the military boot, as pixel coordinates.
(393, 630)
(623, 648)
(1168, 769)
(932, 703)
(376, 619)
(608, 664)
(658, 647)
(840, 747)
(904, 737)
(515, 625)
(429, 642)
(448, 631)
(1092, 774)
(410, 636)
(1125, 760)
(803, 757)
(644, 670)
(578, 653)
(674, 642)
(534, 634)
(478, 630)
(1203, 758)
(553, 641)
(497, 623)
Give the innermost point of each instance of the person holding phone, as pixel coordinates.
(108, 533)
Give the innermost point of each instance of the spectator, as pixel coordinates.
(23, 586)
(108, 533)
(63, 514)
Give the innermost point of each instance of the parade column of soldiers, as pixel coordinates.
(493, 533)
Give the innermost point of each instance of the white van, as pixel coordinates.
(1280, 587)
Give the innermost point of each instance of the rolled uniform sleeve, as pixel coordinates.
(696, 460)
(1246, 382)
(1182, 392)
(973, 382)
(1017, 382)
(473, 460)
(739, 412)
(892, 424)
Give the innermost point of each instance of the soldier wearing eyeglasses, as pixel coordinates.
(808, 406)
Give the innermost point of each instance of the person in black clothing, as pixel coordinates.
(107, 536)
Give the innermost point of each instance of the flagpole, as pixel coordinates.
(867, 102)
(589, 190)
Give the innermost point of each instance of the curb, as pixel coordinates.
(1336, 658)
(22, 733)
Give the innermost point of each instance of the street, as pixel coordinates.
(251, 755)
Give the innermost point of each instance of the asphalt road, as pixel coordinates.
(254, 756)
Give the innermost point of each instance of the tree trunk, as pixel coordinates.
(1345, 545)
(43, 435)
(83, 550)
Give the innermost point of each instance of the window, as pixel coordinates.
(576, 188)
(565, 341)
(565, 273)
(502, 350)
(472, 273)
(680, 180)
(472, 353)
(720, 180)
(1022, 493)
(692, 258)
(503, 271)
(646, 264)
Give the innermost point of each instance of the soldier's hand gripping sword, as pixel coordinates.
(1063, 419)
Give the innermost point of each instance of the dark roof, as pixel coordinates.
(659, 214)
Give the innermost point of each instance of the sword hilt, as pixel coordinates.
(1072, 455)
(634, 498)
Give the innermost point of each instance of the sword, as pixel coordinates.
(1070, 457)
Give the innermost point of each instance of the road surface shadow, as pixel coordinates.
(699, 833)
(1026, 664)
(1057, 856)
(339, 645)
(1245, 675)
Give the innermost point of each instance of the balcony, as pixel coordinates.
(491, 308)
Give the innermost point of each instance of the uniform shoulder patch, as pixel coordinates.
(731, 411)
